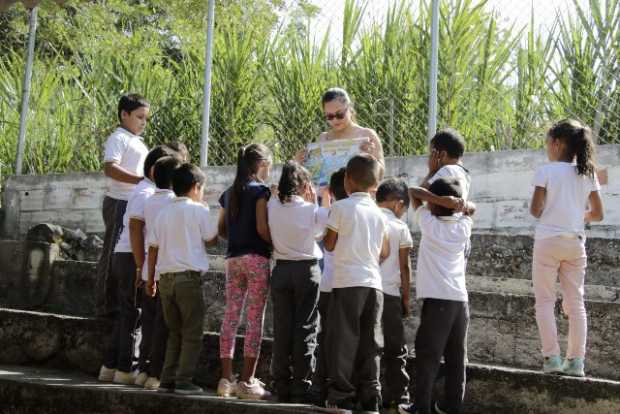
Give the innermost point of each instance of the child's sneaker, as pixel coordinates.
(106, 374)
(141, 379)
(152, 383)
(226, 388)
(187, 389)
(407, 409)
(552, 365)
(254, 389)
(574, 367)
(125, 378)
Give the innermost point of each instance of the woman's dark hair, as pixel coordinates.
(130, 102)
(155, 155)
(248, 162)
(579, 145)
(340, 95)
(294, 175)
(164, 169)
(185, 177)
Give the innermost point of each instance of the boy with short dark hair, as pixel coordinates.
(441, 285)
(393, 199)
(177, 252)
(124, 156)
(357, 236)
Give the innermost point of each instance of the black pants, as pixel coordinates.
(442, 332)
(120, 350)
(106, 302)
(395, 351)
(295, 295)
(154, 335)
(354, 342)
(319, 380)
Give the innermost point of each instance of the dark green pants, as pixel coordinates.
(184, 310)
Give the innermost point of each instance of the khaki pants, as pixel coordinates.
(184, 310)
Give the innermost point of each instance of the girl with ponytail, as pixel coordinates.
(563, 189)
(243, 222)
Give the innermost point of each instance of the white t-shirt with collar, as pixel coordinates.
(135, 210)
(567, 195)
(399, 237)
(454, 171)
(295, 226)
(440, 273)
(361, 227)
(180, 234)
(154, 205)
(128, 151)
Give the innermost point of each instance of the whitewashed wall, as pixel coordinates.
(500, 187)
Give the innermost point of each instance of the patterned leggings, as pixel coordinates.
(247, 280)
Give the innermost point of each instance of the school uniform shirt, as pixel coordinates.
(440, 273)
(565, 201)
(154, 205)
(327, 278)
(399, 237)
(455, 171)
(135, 210)
(180, 234)
(243, 238)
(361, 228)
(128, 151)
(295, 226)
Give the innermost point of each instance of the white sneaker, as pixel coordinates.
(254, 389)
(151, 383)
(226, 388)
(106, 374)
(141, 379)
(125, 378)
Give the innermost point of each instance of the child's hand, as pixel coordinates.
(274, 190)
(326, 197)
(151, 288)
(138, 282)
(406, 306)
(300, 156)
(310, 194)
(369, 147)
(457, 204)
(434, 162)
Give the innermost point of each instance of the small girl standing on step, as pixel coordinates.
(243, 222)
(563, 189)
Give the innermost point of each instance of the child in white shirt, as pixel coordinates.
(295, 223)
(393, 199)
(564, 187)
(177, 252)
(357, 236)
(124, 156)
(441, 285)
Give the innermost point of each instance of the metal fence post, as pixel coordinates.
(432, 99)
(206, 109)
(23, 115)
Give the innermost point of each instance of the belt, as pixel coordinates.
(305, 261)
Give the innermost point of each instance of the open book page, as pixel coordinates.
(326, 157)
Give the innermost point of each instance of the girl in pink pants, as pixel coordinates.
(563, 189)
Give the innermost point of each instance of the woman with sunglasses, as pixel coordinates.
(340, 115)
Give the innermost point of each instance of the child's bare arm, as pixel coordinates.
(222, 231)
(330, 240)
(405, 278)
(262, 223)
(118, 173)
(152, 262)
(538, 201)
(595, 213)
(385, 249)
(421, 194)
(136, 240)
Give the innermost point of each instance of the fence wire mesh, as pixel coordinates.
(507, 70)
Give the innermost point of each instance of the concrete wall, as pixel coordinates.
(501, 188)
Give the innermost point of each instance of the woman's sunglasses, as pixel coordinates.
(337, 115)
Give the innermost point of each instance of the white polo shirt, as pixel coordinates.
(295, 226)
(135, 210)
(180, 234)
(399, 237)
(327, 278)
(455, 171)
(154, 205)
(441, 257)
(565, 200)
(128, 151)
(361, 226)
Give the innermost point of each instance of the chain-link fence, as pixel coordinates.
(506, 71)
